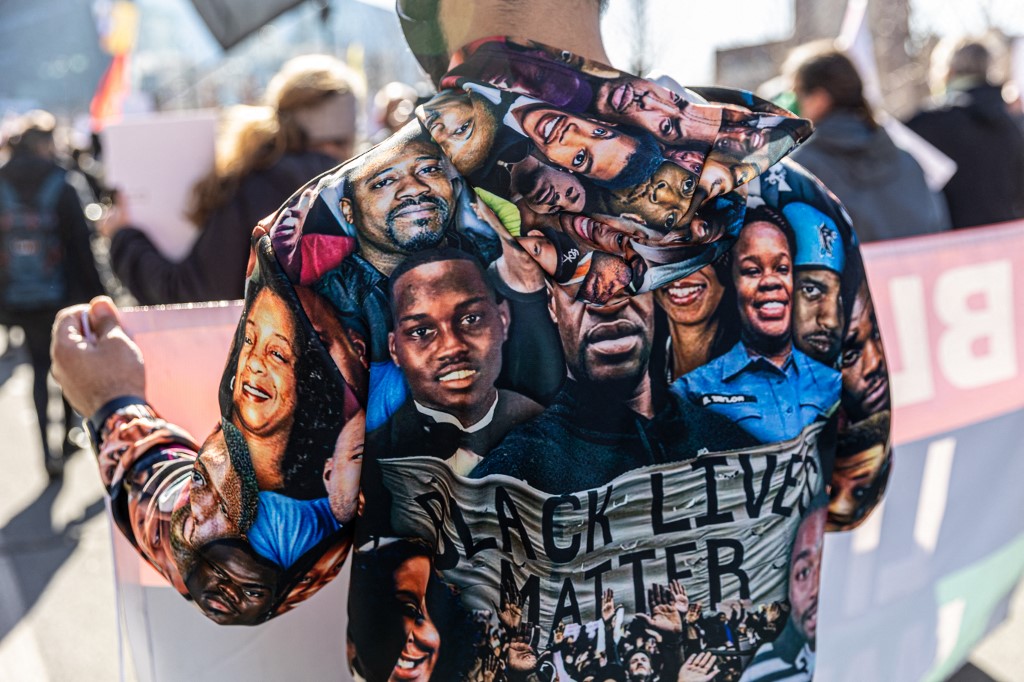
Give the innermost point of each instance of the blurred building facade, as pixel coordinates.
(902, 65)
(59, 73)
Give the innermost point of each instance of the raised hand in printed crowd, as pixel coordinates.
(699, 668)
(665, 616)
(511, 613)
(489, 668)
(680, 600)
(608, 607)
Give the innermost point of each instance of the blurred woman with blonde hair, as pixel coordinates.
(264, 153)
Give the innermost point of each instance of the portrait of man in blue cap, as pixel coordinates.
(818, 313)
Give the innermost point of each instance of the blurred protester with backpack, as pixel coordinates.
(881, 185)
(971, 123)
(46, 260)
(263, 154)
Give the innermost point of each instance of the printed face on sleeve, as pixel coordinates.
(581, 145)
(342, 470)
(232, 584)
(818, 314)
(763, 274)
(449, 330)
(716, 178)
(643, 104)
(346, 347)
(400, 197)
(422, 639)
(693, 299)
(464, 124)
(264, 393)
(853, 479)
(739, 141)
(326, 569)
(805, 573)
(542, 249)
(607, 276)
(607, 233)
(689, 159)
(663, 200)
(547, 190)
(215, 495)
(865, 372)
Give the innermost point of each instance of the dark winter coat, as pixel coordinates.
(974, 128)
(214, 270)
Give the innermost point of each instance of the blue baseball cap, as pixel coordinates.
(818, 242)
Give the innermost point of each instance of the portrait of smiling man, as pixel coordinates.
(659, 111)
(449, 328)
(400, 202)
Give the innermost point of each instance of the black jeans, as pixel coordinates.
(38, 327)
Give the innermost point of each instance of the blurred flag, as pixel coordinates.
(856, 41)
(118, 26)
(107, 104)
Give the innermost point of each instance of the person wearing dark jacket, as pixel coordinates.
(34, 188)
(881, 185)
(972, 125)
(309, 127)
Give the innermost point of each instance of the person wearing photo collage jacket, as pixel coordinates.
(577, 366)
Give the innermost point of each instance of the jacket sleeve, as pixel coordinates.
(259, 515)
(863, 454)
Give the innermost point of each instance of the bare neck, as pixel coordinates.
(691, 346)
(573, 25)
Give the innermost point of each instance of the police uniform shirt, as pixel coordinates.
(771, 403)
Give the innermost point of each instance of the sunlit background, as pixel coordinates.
(50, 57)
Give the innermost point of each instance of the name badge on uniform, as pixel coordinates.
(718, 399)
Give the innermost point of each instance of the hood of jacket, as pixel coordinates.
(868, 155)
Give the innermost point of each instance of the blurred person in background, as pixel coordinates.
(881, 185)
(971, 124)
(393, 106)
(264, 153)
(46, 259)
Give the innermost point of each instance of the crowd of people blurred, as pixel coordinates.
(315, 114)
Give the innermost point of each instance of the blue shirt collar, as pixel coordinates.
(738, 359)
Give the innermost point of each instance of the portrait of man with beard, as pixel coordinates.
(399, 205)
(605, 420)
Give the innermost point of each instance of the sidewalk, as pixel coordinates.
(56, 588)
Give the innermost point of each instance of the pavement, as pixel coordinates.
(57, 609)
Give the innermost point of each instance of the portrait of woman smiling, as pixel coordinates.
(276, 360)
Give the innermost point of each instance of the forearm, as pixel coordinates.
(145, 464)
(206, 274)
